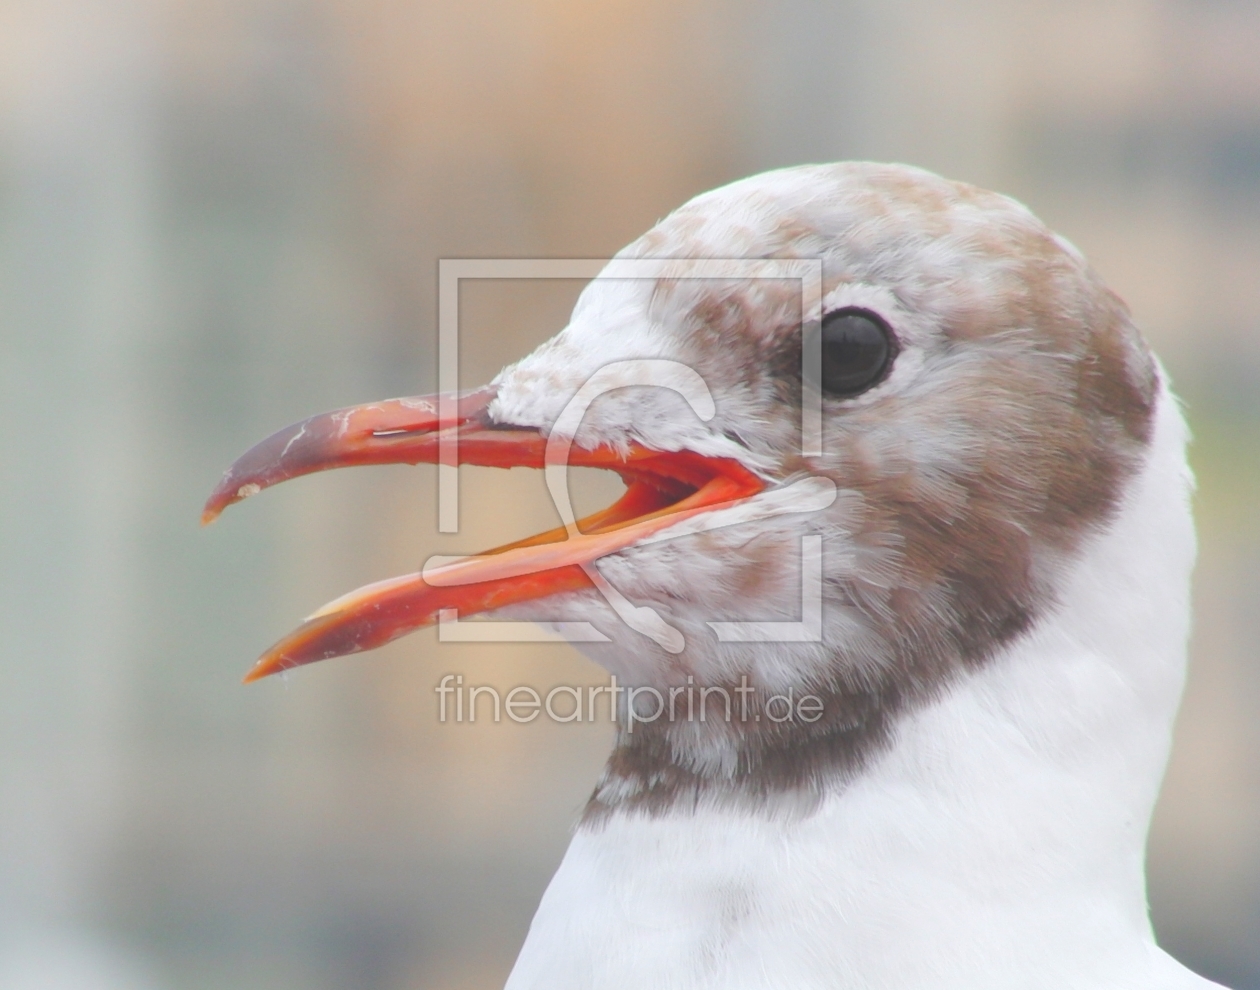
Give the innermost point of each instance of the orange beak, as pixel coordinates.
(662, 489)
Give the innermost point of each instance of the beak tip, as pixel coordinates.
(219, 500)
(226, 495)
(257, 672)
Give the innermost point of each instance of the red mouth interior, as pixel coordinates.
(653, 489)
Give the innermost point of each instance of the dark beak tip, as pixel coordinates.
(215, 504)
(228, 492)
(214, 507)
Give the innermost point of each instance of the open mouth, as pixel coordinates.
(662, 489)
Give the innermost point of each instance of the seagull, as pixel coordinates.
(994, 518)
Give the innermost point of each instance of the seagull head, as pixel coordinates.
(868, 420)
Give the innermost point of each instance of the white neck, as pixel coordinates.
(998, 843)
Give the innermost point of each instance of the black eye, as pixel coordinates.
(857, 351)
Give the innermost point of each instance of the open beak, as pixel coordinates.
(662, 489)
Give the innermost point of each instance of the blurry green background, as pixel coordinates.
(219, 216)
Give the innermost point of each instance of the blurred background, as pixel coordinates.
(220, 216)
